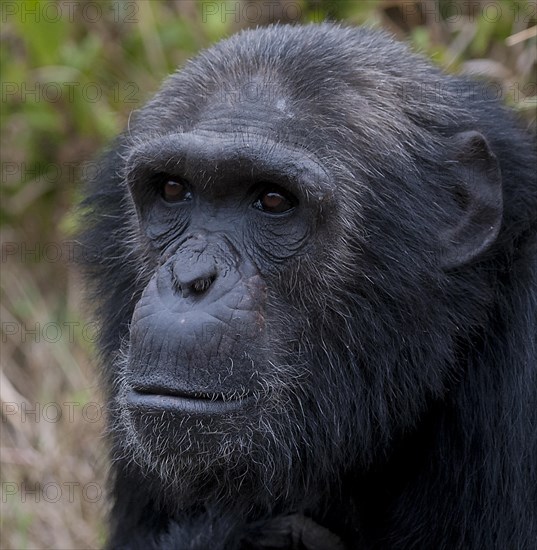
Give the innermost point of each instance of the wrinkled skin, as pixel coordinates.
(314, 262)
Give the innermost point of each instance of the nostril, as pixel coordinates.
(199, 286)
(193, 272)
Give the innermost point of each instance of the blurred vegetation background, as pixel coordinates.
(72, 72)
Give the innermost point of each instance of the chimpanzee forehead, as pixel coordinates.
(255, 103)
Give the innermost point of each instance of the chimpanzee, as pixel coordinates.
(314, 263)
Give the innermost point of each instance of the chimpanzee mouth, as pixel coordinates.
(158, 400)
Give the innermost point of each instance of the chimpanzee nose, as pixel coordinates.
(194, 273)
(195, 281)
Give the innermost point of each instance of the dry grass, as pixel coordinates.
(51, 448)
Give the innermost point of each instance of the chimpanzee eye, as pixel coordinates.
(274, 202)
(176, 191)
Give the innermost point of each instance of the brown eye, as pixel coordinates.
(175, 191)
(273, 202)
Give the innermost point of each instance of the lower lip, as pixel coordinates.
(157, 403)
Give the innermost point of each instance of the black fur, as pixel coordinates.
(398, 408)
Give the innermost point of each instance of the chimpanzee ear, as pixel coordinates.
(478, 193)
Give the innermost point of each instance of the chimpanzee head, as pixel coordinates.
(299, 227)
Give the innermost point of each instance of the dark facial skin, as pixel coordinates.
(223, 219)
